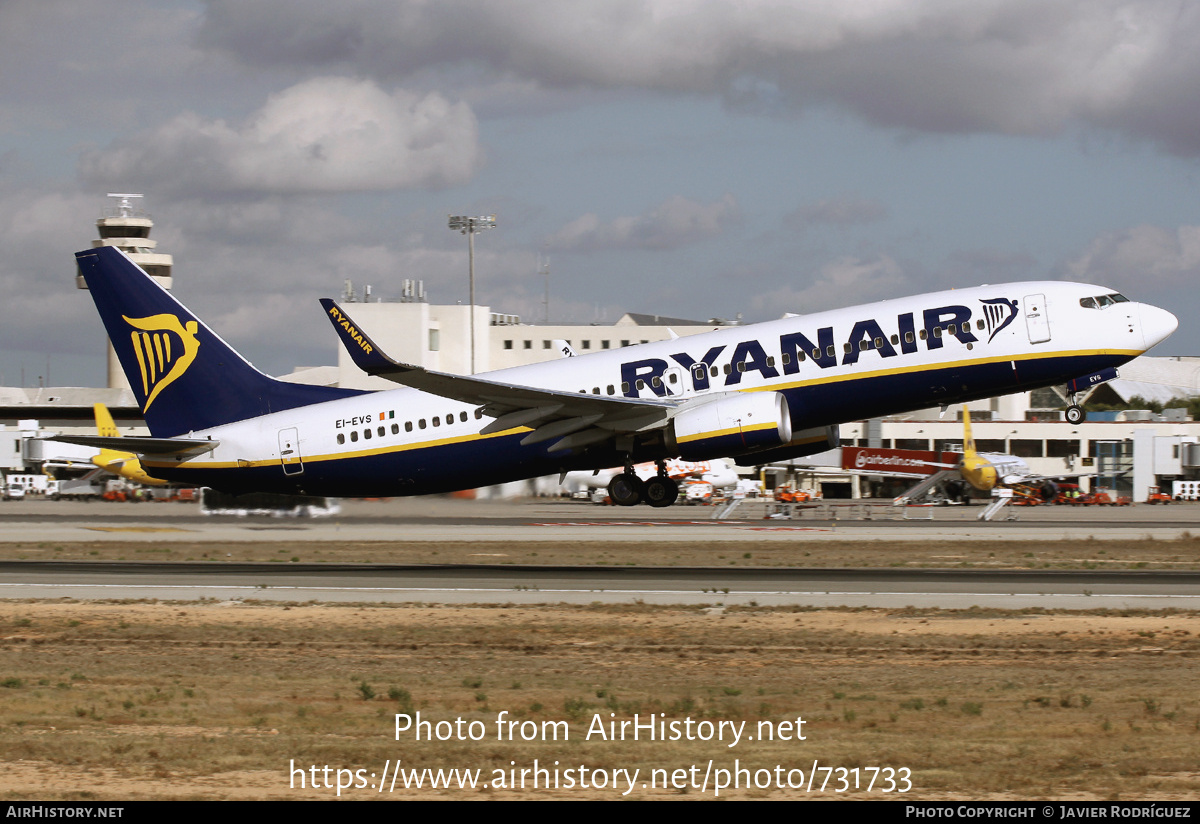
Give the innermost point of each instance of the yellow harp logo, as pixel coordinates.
(164, 349)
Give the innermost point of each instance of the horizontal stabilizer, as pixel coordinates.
(160, 447)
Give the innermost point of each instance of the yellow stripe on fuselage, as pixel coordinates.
(928, 367)
(849, 375)
(338, 456)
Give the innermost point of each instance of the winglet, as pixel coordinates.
(366, 355)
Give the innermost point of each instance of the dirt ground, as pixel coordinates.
(224, 700)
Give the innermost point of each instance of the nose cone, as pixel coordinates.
(1157, 324)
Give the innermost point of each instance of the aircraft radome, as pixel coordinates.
(757, 393)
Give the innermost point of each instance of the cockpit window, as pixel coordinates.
(1100, 301)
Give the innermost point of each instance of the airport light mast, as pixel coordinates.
(469, 226)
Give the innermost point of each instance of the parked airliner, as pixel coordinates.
(983, 471)
(758, 393)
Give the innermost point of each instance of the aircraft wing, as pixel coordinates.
(575, 418)
(159, 447)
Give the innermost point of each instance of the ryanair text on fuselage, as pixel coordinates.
(865, 336)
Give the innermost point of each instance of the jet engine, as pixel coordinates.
(732, 425)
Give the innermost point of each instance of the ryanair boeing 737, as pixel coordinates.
(759, 393)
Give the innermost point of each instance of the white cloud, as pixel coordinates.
(1140, 258)
(841, 211)
(841, 282)
(328, 134)
(676, 222)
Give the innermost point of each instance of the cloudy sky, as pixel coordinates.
(678, 157)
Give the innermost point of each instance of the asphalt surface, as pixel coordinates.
(533, 521)
(552, 520)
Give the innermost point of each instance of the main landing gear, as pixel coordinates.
(627, 489)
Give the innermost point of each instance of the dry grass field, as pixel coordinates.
(217, 700)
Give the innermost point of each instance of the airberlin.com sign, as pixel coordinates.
(889, 461)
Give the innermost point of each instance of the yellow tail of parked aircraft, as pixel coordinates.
(978, 471)
(125, 464)
(984, 471)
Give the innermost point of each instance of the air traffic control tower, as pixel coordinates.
(128, 229)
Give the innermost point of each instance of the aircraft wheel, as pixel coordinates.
(1075, 414)
(661, 491)
(626, 490)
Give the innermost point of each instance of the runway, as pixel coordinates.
(438, 519)
(510, 579)
(949, 589)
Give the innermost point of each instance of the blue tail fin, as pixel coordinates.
(184, 376)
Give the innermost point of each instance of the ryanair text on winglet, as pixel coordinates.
(351, 332)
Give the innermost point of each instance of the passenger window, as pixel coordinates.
(848, 348)
(864, 345)
(788, 358)
(952, 329)
(895, 340)
(367, 434)
(829, 352)
(341, 438)
(656, 381)
(771, 361)
(799, 356)
(713, 372)
(354, 436)
(421, 423)
(979, 324)
(908, 337)
(924, 335)
(395, 429)
(462, 417)
(937, 331)
(408, 426)
(816, 353)
(624, 387)
(381, 431)
(612, 390)
(437, 421)
(641, 384)
(742, 366)
(673, 378)
(479, 414)
(595, 390)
